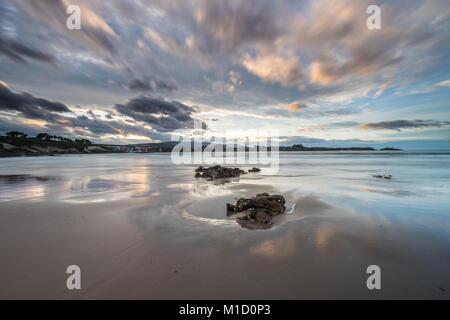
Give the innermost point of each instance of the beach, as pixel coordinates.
(140, 227)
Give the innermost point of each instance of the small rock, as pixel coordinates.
(231, 207)
(257, 212)
(254, 169)
(217, 172)
(379, 176)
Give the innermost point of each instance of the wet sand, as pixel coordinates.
(169, 238)
(126, 255)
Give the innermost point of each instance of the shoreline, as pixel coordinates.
(16, 147)
(24, 153)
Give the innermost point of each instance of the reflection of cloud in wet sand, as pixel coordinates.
(324, 235)
(289, 245)
(281, 247)
(252, 189)
(390, 192)
(311, 205)
(77, 189)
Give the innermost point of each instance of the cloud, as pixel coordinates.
(234, 81)
(322, 74)
(326, 126)
(168, 43)
(53, 117)
(445, 83)
(226, 26)
(430, 88)
(95, 32)
(337, 34)
(30, 106)
(151, 84)
(390, 125)
(274, 68)
(296, 106)
(20, 53)
(285, 111)
(405, 124)
(161, 114)
(220, 87)
(7, 125)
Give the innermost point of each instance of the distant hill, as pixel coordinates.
(390, 149)
(300, 147)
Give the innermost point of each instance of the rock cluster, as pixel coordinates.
(217, 172)
(379, 176)
(257, 212)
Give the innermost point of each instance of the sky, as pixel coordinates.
(139, 71)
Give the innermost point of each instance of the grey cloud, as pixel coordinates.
(84, 126)
(8, 125)
(109, 116)
(367, 53)
(151, 84)
(162, 115)
(93, 34)
(343, 124)
(405, 124)
(20, 52)
(225, 26)
(306, 113)
(326, 126)
(290, 140)
(95, 126)
(30, 106)
(92, 114)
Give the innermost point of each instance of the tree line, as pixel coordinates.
(45, 137)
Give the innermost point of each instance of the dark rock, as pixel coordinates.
(257, 212)
(390, 149)
(379, 176)
(217, 172)
(230, 207)
(254, 169)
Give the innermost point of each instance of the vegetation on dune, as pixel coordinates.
(18, 143)
(21, 139)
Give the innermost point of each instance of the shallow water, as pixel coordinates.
(343, 220)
